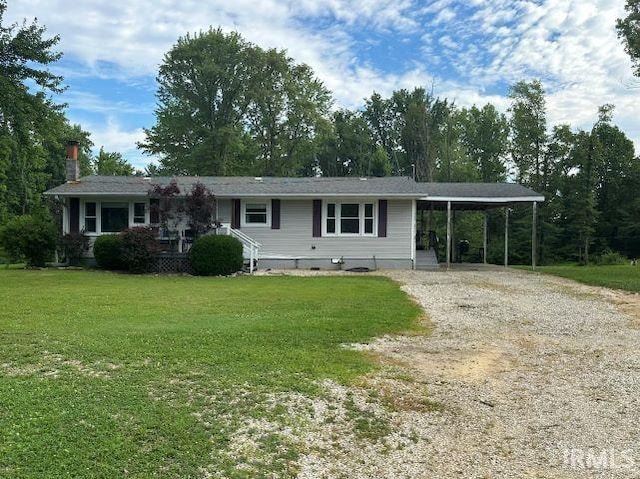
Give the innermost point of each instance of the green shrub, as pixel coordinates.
(107, 250)
(139, 248)
(214, 255)
(30, 238)
(75, 245)
(609, 257)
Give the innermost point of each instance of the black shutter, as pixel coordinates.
(317, 218)
(275, 214)
(382, 218)
(74, 215)
(235, 213)
(154, 211)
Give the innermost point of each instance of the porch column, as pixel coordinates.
(448, 234)
(506, 237)
(484, 239)
(534, 236)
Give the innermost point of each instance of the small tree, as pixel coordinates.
(201, 208)
(74, 246)
(139, 247)
(166, 208)
(216, 255)
(107, 250)
(29, 237)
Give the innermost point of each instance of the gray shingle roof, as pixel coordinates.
(242, 186)
(235, 186)
(476, 190)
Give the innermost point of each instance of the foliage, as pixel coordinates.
(229, 107)
(629, 31)
(33, 128)
(107, 250)
(216, 255)
(200, 206)
(30, 237)
(528, 130)
(112, 164)
(484, 135)
(123, 339)
(75, 245)
(609, 257)
(167, 208)
(348, 149)
(139, 247)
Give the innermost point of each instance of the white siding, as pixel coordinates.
(294, 238)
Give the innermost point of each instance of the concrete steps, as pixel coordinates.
(426, 259)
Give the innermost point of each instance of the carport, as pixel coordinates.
(480, 197)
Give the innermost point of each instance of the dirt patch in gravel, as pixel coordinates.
(629, 304)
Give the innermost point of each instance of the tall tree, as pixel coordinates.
(225, 107)
(202, 98)
(349, 148)
(32, 126)
(485, 136)
(629, 31)
(580, 206)
(382, 120)
(112, 164)
(528, 124)
(420, 116)
(616, 169)
(287, 103)
(453, 162)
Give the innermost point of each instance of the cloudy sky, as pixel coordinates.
(469, 51)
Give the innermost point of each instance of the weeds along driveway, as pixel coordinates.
(524, 375)
(538, 376)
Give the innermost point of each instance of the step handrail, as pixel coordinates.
(247, 241)
(240, 235)
(245, 238)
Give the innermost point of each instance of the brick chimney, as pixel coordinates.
(72, 166)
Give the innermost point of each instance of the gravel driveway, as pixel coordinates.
(539, 376)
(528, 376)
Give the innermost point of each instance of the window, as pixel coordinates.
(139, 213)
(368, 218)
(90, 218)
(255, 213)
(331, 218)
(350, 219)
(114, 217)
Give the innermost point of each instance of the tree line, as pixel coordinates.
(228, 107)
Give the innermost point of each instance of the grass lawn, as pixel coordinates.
(109, 375)
(617, 277)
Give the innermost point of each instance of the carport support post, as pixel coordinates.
(534, 236)
(484, 239)
(448, 234)
(506, 237)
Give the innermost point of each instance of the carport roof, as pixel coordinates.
(478, 193)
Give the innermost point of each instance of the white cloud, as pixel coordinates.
(443, 16)
(90, 102)
(113, 137)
